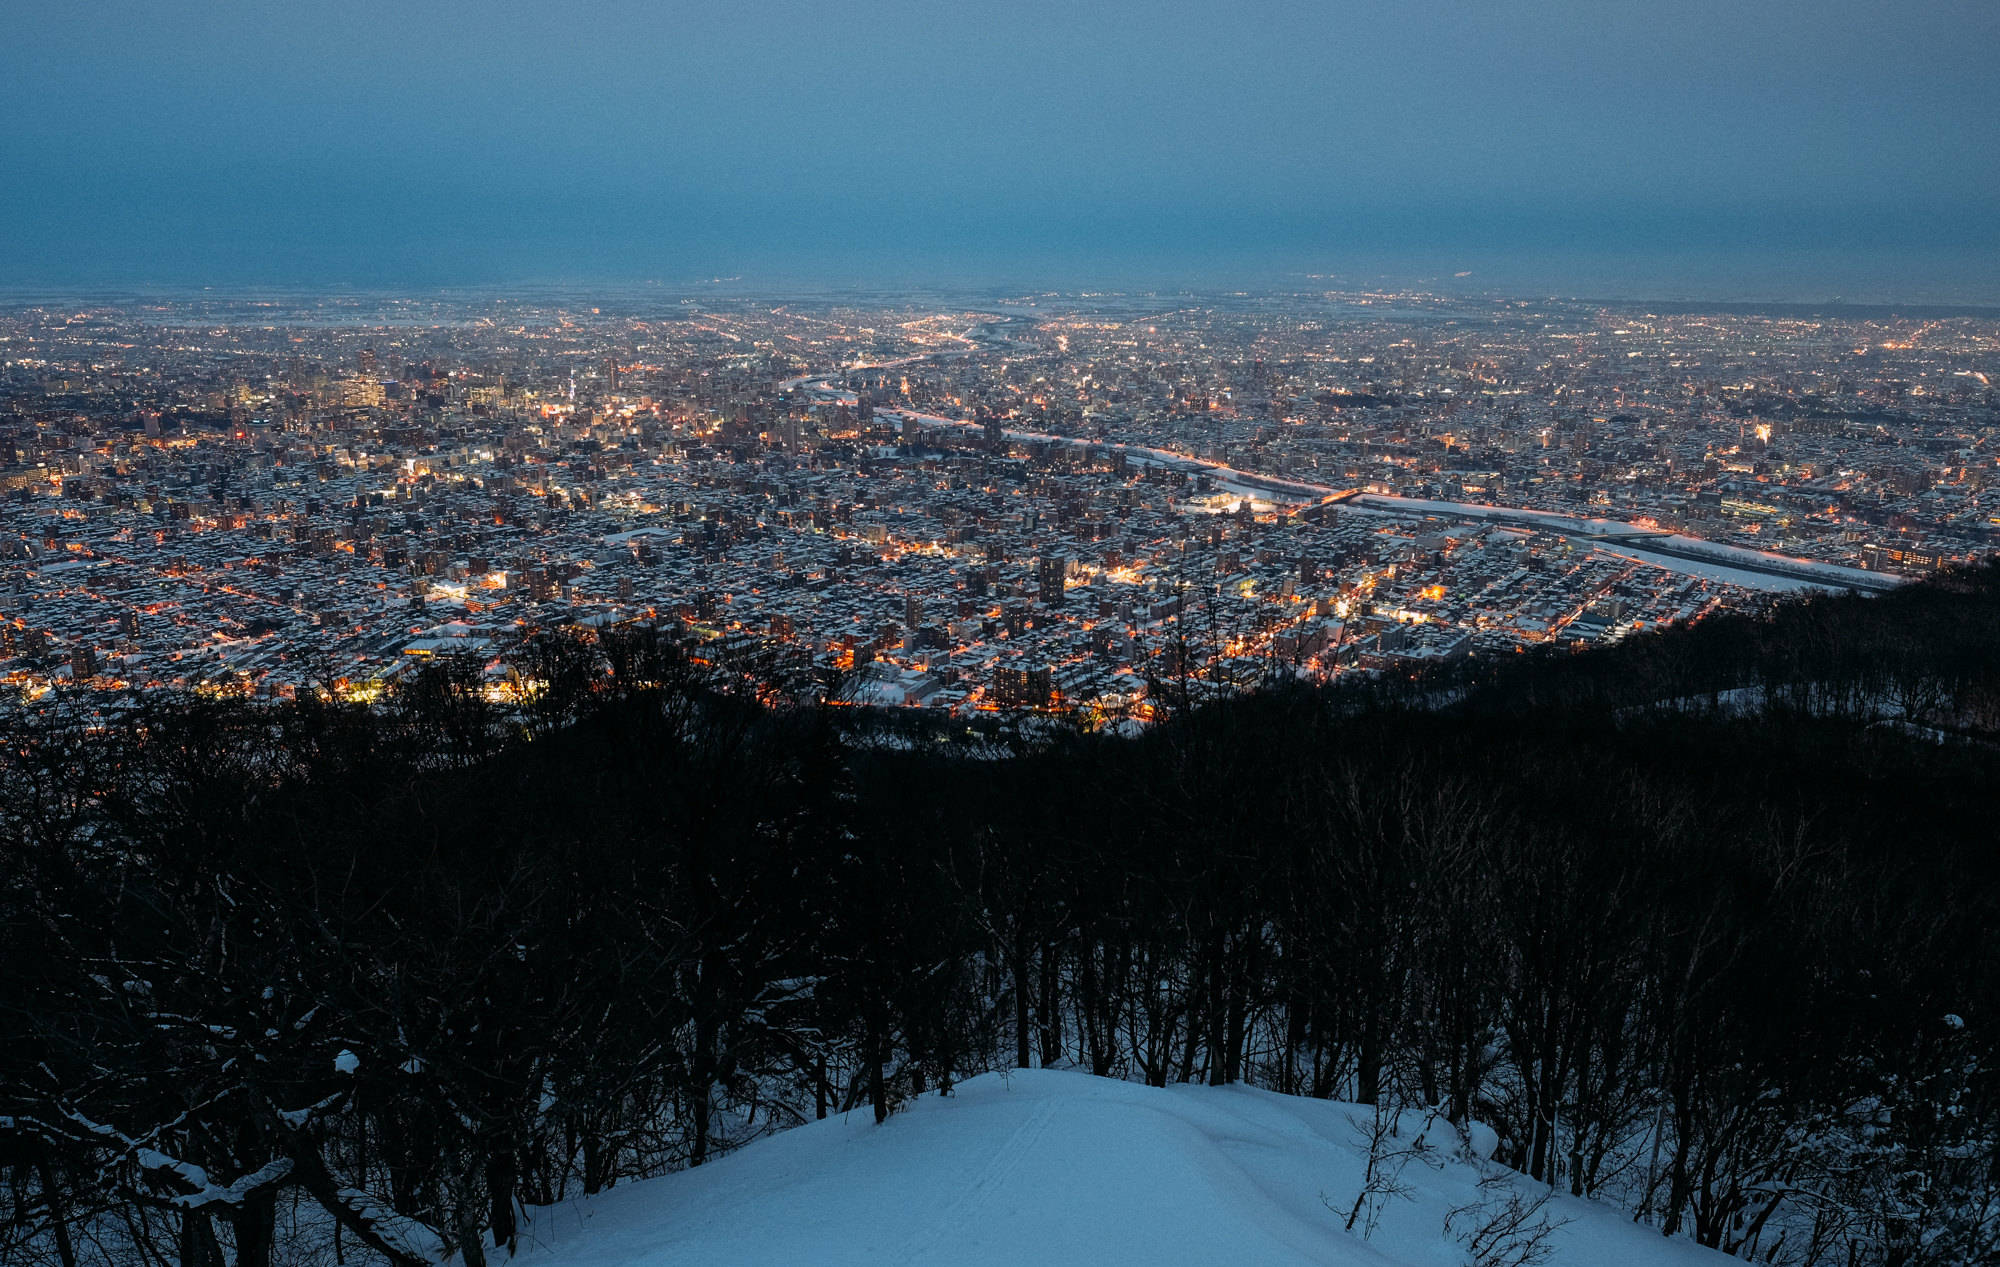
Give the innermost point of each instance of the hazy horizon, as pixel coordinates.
(1678, 150)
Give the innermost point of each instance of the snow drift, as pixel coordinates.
(1040, 1166)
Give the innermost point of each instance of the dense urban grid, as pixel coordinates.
(968, 504)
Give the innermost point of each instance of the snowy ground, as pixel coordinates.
(1046, 1167)
(1715, 571)
(1715, 563)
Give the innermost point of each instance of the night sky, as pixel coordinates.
(1758, 147)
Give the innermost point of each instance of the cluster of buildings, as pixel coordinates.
(1042, 502)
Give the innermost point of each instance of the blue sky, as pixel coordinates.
(425, 143)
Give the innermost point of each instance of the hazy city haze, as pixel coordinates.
(1777, 149)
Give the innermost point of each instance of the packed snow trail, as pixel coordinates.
(1041, 1166)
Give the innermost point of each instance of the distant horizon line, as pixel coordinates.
(1925, 302)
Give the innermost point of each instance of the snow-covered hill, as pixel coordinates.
(1050, 1167)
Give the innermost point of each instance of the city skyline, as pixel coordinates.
(965, 505)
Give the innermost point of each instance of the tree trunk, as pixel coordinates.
(1087, 1010)
(1239, 1006)
(1368, 1066)
(878, 1055)
(595, 1161)
(1049, 1010)
(198, 1244)
(1218, 1017)
(58, 1215)
(1193, 1044)
(319, 1183)
(256, 1227)
(1018, 965)
(471, 1239)
(500, 1195)
(704, 1084)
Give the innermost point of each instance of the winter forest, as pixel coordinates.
(1702, 925)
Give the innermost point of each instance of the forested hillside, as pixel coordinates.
(1702, 925)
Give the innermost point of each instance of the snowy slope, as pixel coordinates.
(1043, 1167)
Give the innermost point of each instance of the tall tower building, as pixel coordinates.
(1049, 573)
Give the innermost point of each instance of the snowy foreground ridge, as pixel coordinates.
(1047, 1167)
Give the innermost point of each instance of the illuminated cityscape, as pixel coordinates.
(960, 503)
(1171, 634)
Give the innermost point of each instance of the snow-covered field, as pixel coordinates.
(1041, 1166)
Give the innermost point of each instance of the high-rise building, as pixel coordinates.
(364, 361)
(1049, 570)
(1023, 686)
(913, 611)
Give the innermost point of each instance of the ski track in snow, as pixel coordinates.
(1045, 1166)
(993, 1175)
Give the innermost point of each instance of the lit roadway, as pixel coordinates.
(1633, 541)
